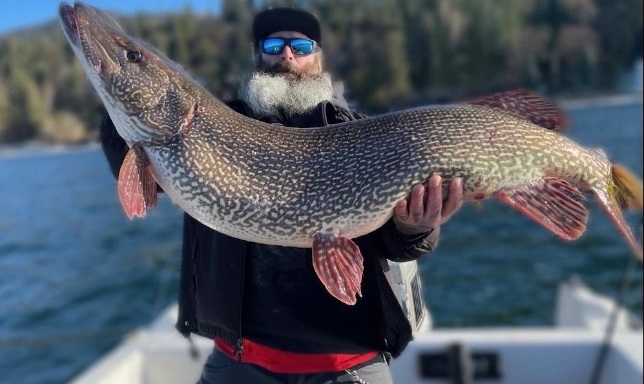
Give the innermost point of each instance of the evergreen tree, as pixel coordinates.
(390, 52)
(26, 114)
(619, 27)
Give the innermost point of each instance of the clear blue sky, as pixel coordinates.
(16, 14)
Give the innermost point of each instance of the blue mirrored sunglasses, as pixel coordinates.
(298, 45)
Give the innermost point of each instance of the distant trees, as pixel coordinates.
(24, 106)
(390, 53)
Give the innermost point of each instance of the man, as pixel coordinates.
(271, 318)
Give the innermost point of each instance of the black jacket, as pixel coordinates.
(215, 273)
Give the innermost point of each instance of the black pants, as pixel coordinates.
(220, 369)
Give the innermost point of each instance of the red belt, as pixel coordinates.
(279, 361)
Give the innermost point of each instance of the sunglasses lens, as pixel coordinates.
(302, 46)
(273, 46)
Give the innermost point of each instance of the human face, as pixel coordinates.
(289, 62)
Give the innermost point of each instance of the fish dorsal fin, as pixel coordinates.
(137, 187)
(553, 204)
(339, 265)
(527, 105)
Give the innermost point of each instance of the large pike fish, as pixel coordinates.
(321, 187)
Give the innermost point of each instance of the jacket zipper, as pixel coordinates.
(239, 344)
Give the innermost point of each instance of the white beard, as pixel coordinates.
(268, 94)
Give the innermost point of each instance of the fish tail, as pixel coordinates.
(624, 192)
(627, 188)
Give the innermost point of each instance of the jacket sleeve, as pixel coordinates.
(402, 247)
(114, 147)
(358, 116)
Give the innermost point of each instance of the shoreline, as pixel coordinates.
(35, 147)
(31, 148)
(598, 101)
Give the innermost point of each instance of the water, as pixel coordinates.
(76, 275)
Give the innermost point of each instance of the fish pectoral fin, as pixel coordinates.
(526, 105)
(553, 203)
(137, 187)
(339, 265)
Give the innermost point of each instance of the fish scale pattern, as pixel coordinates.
(283, 186)
(280, 185)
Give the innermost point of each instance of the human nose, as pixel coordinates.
(287, 54)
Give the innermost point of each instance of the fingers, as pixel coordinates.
(409, 212)
(454, 199)
(425, 208)
(417, 202)
(434, 201)
(401, 210)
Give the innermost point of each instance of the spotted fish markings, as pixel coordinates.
(321, 187)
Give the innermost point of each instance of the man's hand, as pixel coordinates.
(425, 209)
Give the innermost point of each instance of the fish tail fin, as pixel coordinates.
(624, 192)
(628, 188)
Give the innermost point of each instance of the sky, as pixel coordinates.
(17, 14)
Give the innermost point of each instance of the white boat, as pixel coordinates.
(593, 341)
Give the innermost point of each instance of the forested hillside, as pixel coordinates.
(390, 53)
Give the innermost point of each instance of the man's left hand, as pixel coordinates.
(424, 209)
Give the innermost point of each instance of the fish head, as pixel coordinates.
(147, 95)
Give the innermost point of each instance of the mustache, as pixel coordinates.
(283, 68)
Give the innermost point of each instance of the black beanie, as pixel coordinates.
(286, 19)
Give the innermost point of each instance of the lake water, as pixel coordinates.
(76, 275)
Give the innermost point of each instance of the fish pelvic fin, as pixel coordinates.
(553, 203)
(624, 192)
(137, 188)
(339, 265)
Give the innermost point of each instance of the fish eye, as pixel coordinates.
(134, 56)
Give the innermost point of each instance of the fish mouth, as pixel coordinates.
(74, 20)
(67, 15)
(101, 45)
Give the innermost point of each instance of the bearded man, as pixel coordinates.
(271, 319)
